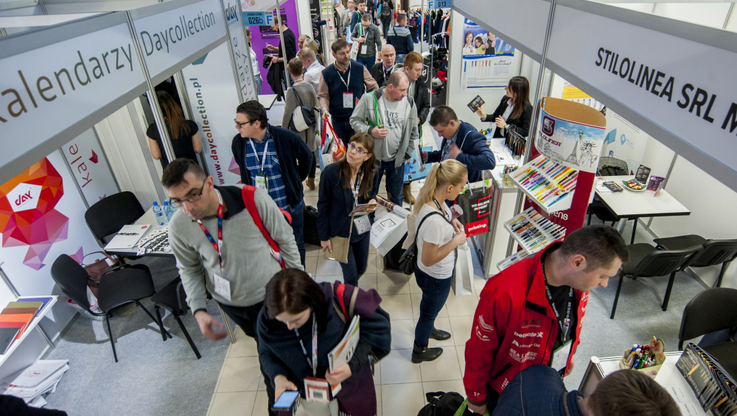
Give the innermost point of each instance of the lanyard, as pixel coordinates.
(565, 325)
(266, 149)
(312, 363)
(437, 204)
(349, 77)
(355, 188)
(219, 245)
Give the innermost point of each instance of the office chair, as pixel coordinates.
(715, 251)
(647, 261)
(127, 285)
(173, 299)
(109, 215)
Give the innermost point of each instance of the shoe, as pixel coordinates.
(407, 195)
(439, 335)
(311, 183)
(420, 354)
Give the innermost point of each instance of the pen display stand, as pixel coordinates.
(532, 231)
(548, 183)
(514, 258)
(713, 386)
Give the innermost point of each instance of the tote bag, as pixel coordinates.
(462, 279)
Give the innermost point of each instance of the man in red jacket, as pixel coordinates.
(532, 312)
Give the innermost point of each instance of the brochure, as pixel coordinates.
(343, 352)
(642, 174)
(127, 237)
(656, 184)
(363, 209)
(476, 103)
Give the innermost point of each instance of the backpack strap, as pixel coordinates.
(423, 220)
(250, 202)
(344, 313)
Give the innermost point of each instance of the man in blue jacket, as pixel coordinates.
(400, 37)
(461, 141)
(275, 160)
(539, 391)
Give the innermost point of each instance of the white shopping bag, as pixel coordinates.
(387, 231)
(462, 280)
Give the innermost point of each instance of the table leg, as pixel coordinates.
(621, 224)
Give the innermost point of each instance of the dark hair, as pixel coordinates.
(397, 77)
(293, 291)
(366, 17)
(173, 115)
(442, 115)
(295, 67)
(466, 35)
(369, 166)
(630, 392)
(599, 244)
(520, 87)
(177, 168)
(339, 44)
(254, 111)
(401, 17)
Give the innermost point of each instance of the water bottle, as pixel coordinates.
(160, 218)
(168, 212)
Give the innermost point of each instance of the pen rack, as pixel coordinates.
(514, 258)
(713, 386)
(532, 231)
(548, 183)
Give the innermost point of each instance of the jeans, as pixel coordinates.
(343, 129)
(357, 258)
(315, 162)
(257, 80)
(385, 22)
(298, 220)
(246, 317)
(367, 61)
(400, 58)
(394, 181)
(434, 293)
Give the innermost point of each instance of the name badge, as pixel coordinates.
(347, 100)
(560, 356)
(364, 49)
(222, 287)
(262, 182)
(363, 224)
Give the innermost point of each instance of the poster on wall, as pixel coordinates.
(41, 217)
(624, 141)
(262, 36)
(571, 93)
(487, 59)
(90, 168)
(211, 91)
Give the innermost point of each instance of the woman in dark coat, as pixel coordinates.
(514, 109)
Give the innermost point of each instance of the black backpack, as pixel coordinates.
(386, 10)
(441, 404)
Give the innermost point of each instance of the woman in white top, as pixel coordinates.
(254, 64)
(437, 239)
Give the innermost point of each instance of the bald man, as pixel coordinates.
(381, 70)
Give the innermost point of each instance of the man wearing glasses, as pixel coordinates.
(220, 250)
(275, 160)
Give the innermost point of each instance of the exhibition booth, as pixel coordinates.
(75, 125)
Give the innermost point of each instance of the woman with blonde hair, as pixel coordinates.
(437, 237)
(185, 138)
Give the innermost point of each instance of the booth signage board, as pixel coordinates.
(681, 86)
(212, 96)
(170, 37)
(49, 89)
(262, 36)
(241, 54)
(441, 4)
(87, 162)
(258, 19)
(44, 218)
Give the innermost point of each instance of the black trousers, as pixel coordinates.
(246, 317)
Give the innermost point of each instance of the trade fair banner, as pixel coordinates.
(213, 98)
(85, 158)
(624, 141)
(487, 59)
(41, 217)
(265, 35)
(241, 53)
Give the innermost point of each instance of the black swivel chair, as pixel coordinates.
(712, 310)
(127, 285)
(173, 299)
(647, 261)
(715, 251)
(109, 215)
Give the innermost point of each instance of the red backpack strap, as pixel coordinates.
(339, 291)
(249, 201)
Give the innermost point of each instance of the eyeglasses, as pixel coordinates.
(191, 198)
(242, 124)
(359, 150)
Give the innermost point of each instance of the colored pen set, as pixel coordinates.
(548, 182)
(533, 231)
(641, 356)
(714, 387)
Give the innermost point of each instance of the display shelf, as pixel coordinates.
(532, 231)
(514, 258)
(34, 323)
(548, 183)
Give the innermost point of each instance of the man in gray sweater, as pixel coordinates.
(219, 248)
(390, 117)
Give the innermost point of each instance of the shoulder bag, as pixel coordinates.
(303, 116)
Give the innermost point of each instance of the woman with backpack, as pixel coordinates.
(298, 95)
(385, 15)
(437, 237)
(301, 323)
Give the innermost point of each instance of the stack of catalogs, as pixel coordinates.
(548, 183)
(532, 231)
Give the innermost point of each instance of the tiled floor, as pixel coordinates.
(400, 385)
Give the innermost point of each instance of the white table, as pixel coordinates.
(669, 377)
(147, 218)
(628, 204)
(267, 100)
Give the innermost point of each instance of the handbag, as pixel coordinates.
(303, 117)
(476, 205)
(99, 268)
(305, 408)
(408, 261)
(340, 246)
